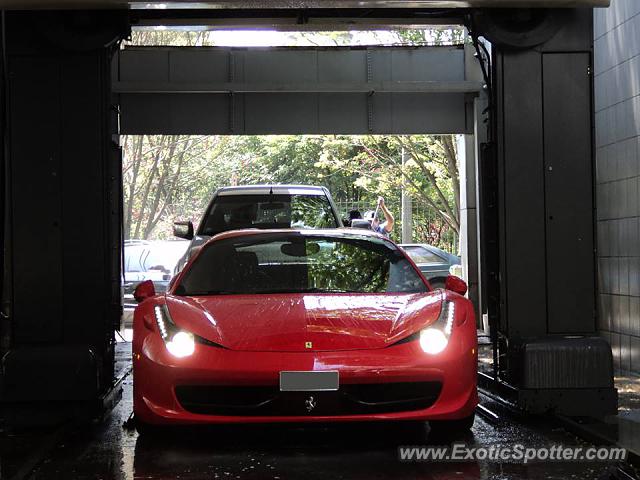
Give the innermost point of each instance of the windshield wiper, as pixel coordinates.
(303, 290)
(210, 292)
(267, 291)
(328, 290)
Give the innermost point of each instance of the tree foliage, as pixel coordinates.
(169, 176)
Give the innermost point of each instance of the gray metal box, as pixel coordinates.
(567, 362)
(570, 376)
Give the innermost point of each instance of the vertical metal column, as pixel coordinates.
(469, 218)
(544, 182)
(468, 160)
(63, 215)
(407, 205)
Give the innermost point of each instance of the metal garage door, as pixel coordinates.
(212, 90)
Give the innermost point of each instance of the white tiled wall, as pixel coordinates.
(617, 106)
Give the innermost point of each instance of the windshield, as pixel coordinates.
(162, 255)
(422, 255)
(298, 263)
(235, 212)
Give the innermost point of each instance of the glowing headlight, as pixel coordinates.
(435, 338)
(181, 345)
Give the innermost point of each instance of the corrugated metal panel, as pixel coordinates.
(196, 90)
(567, 363)
(568, 172)
(523, 246)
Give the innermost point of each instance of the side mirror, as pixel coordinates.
(183, 229)
(144, 290)
(456, 284)
(360, 223)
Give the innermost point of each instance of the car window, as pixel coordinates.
(296, 263)
(422, 255)
(235, 212)
(164, 256)
(134, 258)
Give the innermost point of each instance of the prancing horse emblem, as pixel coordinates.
(308, 345)
(310, 403)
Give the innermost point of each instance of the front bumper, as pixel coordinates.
(160, 383)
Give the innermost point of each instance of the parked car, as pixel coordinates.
(303, 326)
(434, 263)
(263, 207)
(145, 260)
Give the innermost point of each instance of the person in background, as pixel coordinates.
(353, 215)
(385, 227)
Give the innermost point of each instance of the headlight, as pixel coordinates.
(435, 338)
(178, 342)
(181, 345)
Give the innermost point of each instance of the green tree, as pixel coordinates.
(431, 174)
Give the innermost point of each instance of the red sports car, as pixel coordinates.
(310, 325)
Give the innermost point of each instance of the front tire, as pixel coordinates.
(146, 429)
(452, 427)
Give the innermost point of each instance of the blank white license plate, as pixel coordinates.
(323, 381)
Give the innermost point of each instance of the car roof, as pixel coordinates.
(430, 248)
(268, 188)
(425, 245)
(134, 241)
(327, 232)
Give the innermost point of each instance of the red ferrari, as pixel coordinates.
(310, 325)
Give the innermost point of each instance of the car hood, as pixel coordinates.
(303, 322)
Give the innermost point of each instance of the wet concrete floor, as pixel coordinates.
(345, 451)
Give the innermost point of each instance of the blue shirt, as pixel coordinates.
(381, 230)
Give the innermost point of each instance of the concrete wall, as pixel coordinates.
(617, 106)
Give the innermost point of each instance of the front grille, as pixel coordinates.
(356, 399)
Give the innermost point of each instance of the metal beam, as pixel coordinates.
(323, 87)
(187, 21)
(211, 90)
(296, 4)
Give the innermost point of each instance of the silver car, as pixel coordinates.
(434, 263)
(260, 206)
(146, 260)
